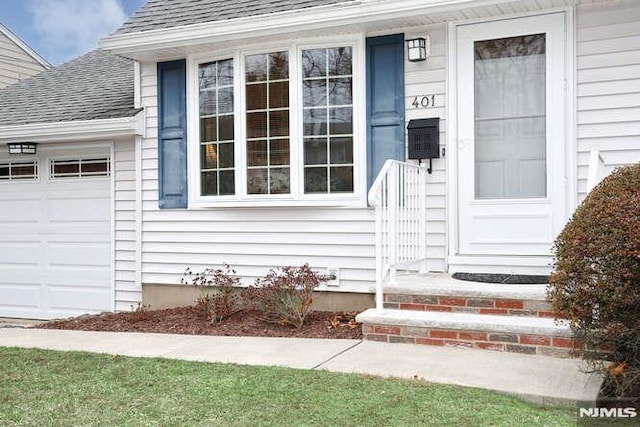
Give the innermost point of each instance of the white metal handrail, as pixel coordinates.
(399, 195)
(596, 170)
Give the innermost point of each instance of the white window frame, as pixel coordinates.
(89, 151)
(30, 179)
(80, 159)
(241, 173)
(296, 197)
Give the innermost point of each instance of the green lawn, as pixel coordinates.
(39, 387)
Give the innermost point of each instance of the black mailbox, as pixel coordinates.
(424, 138)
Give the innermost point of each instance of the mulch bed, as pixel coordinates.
(189, 321)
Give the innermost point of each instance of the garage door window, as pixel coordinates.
(13, 171)
(80, 168)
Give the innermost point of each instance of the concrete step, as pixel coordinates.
(526, 335)
(440, 292)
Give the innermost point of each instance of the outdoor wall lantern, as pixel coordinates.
(418, 49)
(22, 148)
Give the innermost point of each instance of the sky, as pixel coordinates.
(60, 30)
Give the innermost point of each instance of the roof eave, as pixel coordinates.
(133, 45)
(74, 130)
(25, 47)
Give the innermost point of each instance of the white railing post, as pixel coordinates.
(379, 257)
(596, 170)
(422, 220)
(393, 222)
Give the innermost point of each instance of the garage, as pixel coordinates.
(56, 232)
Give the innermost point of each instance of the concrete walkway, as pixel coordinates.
(535, 378)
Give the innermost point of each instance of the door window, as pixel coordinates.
(510, 118)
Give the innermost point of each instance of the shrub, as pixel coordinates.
(139, 313)
(596, 279)
(219, 297)
(285, 296)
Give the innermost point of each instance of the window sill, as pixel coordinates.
(351, 202)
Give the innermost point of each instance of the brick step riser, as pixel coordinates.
(477, 305)
(494, 341)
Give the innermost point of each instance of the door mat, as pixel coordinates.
(510, 279)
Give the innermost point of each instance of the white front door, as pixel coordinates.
(511, 141)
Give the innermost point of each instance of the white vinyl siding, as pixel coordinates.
(127, 291)
(430, 78)
(608, 85)
(15, 63)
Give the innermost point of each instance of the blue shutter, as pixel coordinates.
(172, 135)
(385, 102)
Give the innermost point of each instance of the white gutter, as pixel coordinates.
(74, 131)
(351, 13)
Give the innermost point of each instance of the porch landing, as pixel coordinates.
(444, 284)
(435, 309)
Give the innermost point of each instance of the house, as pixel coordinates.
(17, 60)
(266, 133)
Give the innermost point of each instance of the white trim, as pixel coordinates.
(71, 131)
(359, 94)
(296, 197)
(113, 226)
(451, 188)
(279, 23)
(79, 145)
(137, 89)
(25, 47)
(571, 112)
(138, 212)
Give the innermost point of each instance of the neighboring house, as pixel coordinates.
(17, 60)
(267, 122)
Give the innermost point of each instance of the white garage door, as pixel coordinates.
(55, 233)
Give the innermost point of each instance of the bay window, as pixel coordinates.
(215, 83)
(328, 120)
(278, 125)
(267, 107)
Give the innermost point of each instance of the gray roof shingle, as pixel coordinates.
(97, 85)
(159, 14)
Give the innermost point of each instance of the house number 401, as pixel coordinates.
(424, 101)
